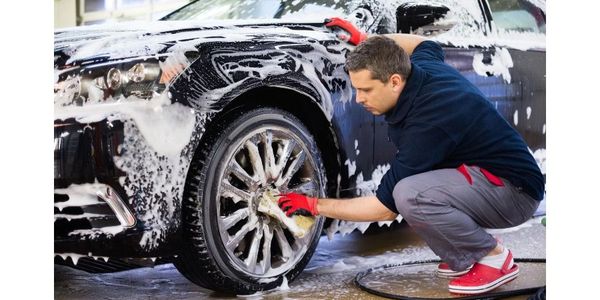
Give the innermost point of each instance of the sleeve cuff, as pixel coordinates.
(386, 198)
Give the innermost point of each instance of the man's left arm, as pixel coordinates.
(358, 209)
(361, 209)
(408, 42)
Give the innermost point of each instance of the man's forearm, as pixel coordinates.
(357, 209)
(408, 42)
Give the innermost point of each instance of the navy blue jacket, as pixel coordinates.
(442, 120)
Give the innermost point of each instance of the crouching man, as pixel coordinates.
(460, 167)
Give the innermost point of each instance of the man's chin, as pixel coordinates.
(372, 111)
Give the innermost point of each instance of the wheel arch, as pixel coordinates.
(305, 108)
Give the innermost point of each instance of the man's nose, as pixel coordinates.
(360, 99)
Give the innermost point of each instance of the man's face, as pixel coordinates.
(374, 95)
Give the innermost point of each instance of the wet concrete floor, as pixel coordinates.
(329, 275)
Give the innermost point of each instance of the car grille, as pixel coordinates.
(84, 152)
(83, 173)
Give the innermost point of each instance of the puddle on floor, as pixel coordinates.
(329, 275)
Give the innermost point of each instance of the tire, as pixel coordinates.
(225, 239)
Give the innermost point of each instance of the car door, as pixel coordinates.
(519, 29)
(355, 125)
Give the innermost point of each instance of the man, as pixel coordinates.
(460, 167)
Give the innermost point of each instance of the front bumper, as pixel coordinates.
(92, 212)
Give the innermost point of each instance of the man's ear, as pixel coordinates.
(397, 82)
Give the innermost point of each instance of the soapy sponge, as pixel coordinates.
(297, 225)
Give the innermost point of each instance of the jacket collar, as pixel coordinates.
(407, 97)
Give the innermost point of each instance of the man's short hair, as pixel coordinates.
(380, 55)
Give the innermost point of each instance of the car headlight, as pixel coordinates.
(98, 83)
(140, 80)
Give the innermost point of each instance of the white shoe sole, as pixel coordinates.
(483, 288)
(447, 273)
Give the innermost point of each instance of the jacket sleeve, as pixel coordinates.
(421, 148)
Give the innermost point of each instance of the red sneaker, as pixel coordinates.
(444, 270)
(483, 278)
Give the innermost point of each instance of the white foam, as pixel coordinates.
(351, 167)
(284, 285)
(357, 263)
(97, 232)
(540, 159)
(501, 62)
(166, 127)
(74, 256)
(104, 258)
(80, 216)
(80, 195)
(527, 224)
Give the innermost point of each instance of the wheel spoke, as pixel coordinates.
(286, 250)
(284, 156)
(299, 242)
(233, 192)
(250, 261)
(237, 238)
(241, 174)
(297, 162)
(268, 238)
(256, 161)
(267, 140)
(235, 217)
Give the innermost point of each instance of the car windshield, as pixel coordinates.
(260, 9)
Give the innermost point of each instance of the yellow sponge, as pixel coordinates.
(297, 225)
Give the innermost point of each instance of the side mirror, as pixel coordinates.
(362, 17)
(422, 19)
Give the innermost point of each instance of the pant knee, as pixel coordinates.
(405, 197)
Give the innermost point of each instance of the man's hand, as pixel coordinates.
(292, 203)
(346, 30)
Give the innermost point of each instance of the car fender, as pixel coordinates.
(223, 74)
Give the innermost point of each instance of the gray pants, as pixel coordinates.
(450, 214)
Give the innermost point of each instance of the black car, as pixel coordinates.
(168, 134)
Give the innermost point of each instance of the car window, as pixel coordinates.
(259, 9)
(517, 15)
(226, 9)
(312, 11)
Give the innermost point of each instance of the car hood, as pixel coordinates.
(99, 43)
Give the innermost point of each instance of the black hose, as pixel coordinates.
(539, 295)
(540, 292)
